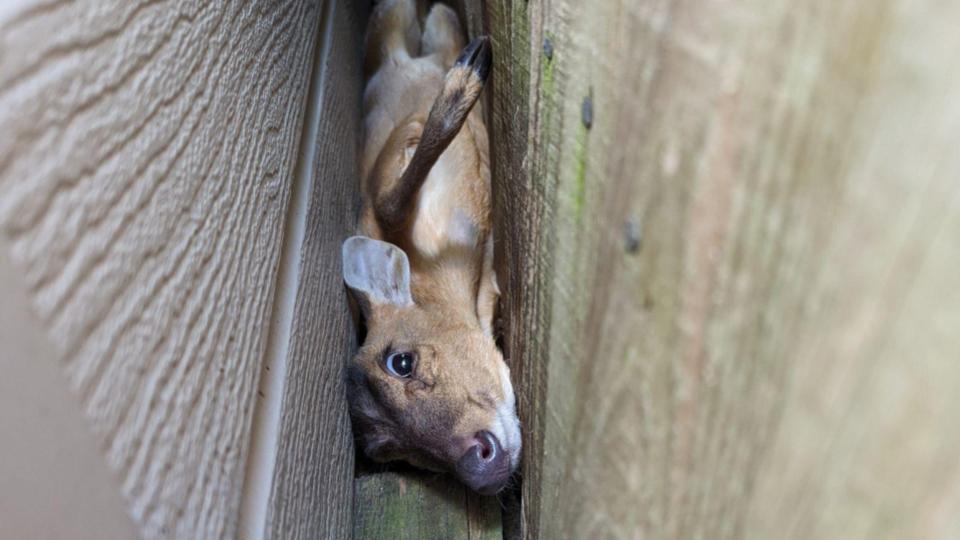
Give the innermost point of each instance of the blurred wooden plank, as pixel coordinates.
(145, 168)
(730, 251)
(867, 446)
(312, 488)
(523, 243)
(417, 505)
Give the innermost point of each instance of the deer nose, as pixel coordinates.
(485, 467)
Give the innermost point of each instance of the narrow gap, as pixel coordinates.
(509, 500)
(264, 431)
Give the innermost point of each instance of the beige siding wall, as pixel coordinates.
(53, 480)
(145, 172)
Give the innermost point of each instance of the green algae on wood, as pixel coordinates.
(417, 505)
(580, 171)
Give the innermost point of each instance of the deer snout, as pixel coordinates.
(485, 466)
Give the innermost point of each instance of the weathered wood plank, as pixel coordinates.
(737, 318)
(312, 488)
(416, 505)
(523, 202)
(144, 177)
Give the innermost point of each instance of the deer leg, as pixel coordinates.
(393, 29)
(442, 36)
(460, 91)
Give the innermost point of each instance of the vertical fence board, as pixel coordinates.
(521, 232)
(728, 234)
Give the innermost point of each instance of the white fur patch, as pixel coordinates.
(463, 231)
(432, 214)
(439, 222)
(506, 425)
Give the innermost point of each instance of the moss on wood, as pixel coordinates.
(415, 505)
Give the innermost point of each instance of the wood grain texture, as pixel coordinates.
(312, 487)
(730, 254)
(145, 166)
(421, 506)
(523, 205)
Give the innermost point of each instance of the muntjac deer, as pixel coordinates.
(428, 386)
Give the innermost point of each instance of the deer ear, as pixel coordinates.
(377, 272)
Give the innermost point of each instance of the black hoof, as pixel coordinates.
(477, 56)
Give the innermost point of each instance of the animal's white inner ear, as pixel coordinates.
(378, 272)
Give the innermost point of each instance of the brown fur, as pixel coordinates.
(426, 189)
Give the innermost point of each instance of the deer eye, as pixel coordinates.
(399, 364)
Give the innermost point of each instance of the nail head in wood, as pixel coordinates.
(632, 235)
(586, 112)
